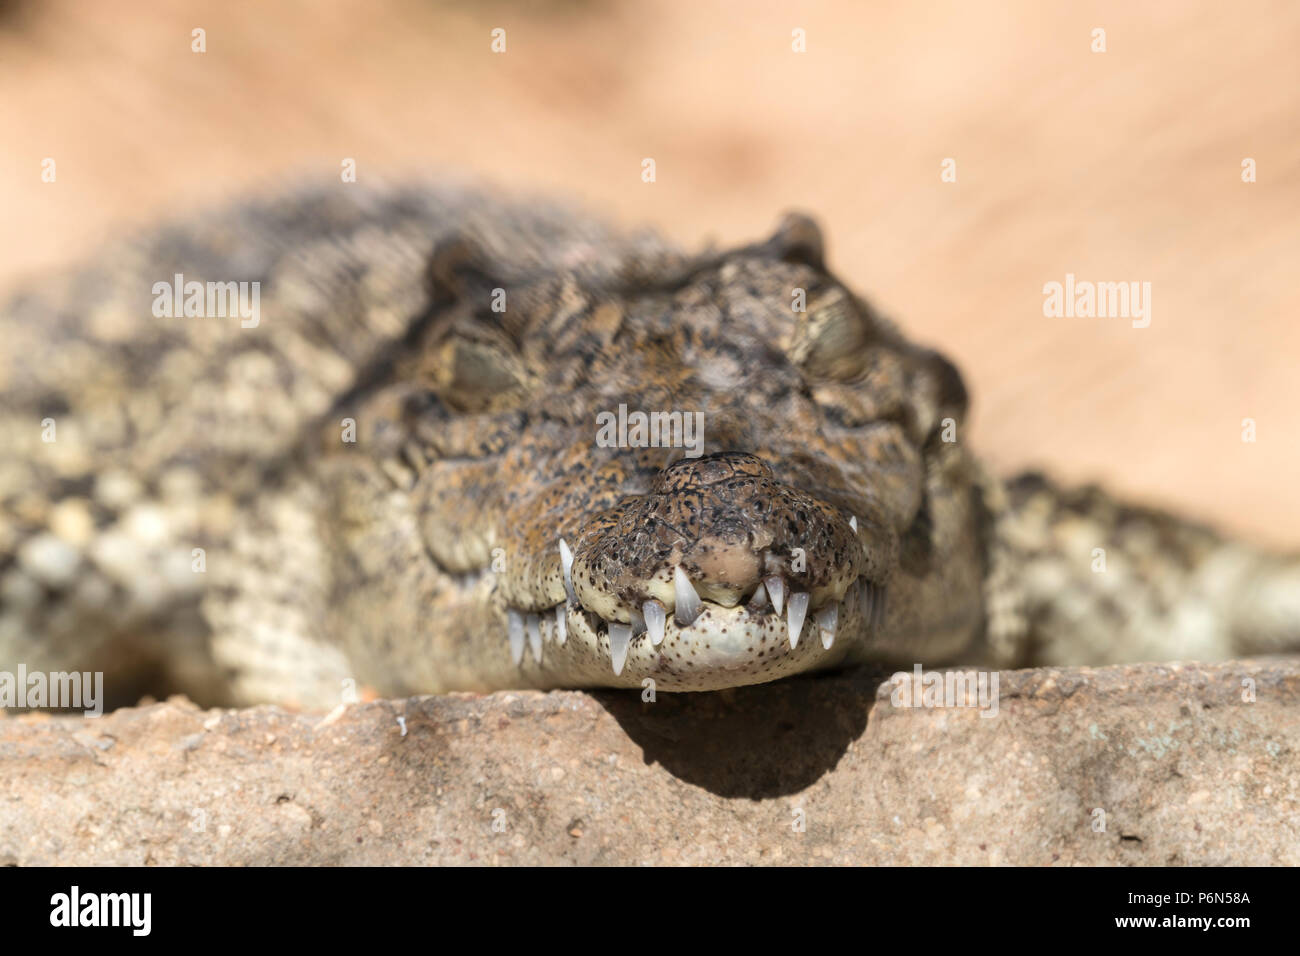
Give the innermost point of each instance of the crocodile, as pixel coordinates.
(425, 439)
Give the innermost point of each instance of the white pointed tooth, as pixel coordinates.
(878, 594)
(853, 523)
(620, 636)
(561, 625)
(776, 588)
(532, 625)
(758, 600)
(566, 562)
(515, 631)
(656, 618)
(826, 618)
(689, 604)
(797, 611)
(866, 602)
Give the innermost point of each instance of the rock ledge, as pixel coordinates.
(1176, 761)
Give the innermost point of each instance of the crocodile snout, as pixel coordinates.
(720, 573)
(727, 525)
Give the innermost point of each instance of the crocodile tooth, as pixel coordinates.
(561, 624)
(532, 625)
(797, 611)
(826, 618)
(655, 619)
(759, 598)
(853, 523)
(776, 589)
(515, 630)
(877, 607)
(566, 561)
(620, 636)
(689, 604)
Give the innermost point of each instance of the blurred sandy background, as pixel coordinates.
(1116, 166)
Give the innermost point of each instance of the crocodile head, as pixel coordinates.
(705, 471)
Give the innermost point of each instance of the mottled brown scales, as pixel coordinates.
(371, 484)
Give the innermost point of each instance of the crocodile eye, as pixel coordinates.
(473, 373)
(830, 338)
(833, 329)
(475, 365)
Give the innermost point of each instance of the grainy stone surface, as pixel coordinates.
(1185, 769)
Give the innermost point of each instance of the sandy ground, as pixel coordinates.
(1122, 165)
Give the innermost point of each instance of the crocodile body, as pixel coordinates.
(467, 444)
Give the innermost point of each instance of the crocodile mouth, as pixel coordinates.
(720, 575)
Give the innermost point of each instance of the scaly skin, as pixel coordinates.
(380, 474)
